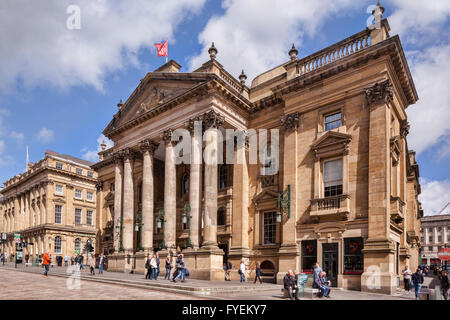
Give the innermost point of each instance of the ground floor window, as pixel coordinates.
(353, 257)
(309, 255)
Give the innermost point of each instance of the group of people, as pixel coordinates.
(413, 280)
(320, 282)
(227, 267)
(153, 267)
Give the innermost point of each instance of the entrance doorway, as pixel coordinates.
(330, 261)
(224, 247)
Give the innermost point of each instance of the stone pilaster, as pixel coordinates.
(379, 249)
(170, 187)
(148, 148)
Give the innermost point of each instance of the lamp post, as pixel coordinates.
(186, 218)
(284, 203)
(138, 228)
(119, 229)
(161, 225)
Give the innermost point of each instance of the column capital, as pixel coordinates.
(380, 92)
(212, 119)
(128, 154)
(290, 121)
(191, 124)
(166, 136)
(148, 145)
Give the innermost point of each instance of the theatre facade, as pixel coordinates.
(345, 194)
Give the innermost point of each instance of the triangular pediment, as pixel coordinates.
(156, 89)
(265, 195)
(331, 142)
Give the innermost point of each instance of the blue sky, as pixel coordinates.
(59, 87)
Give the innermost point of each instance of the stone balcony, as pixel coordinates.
(397, 209)
(335, 206)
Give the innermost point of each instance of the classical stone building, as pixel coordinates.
(52, 205)
(435, 235)
(345, 193)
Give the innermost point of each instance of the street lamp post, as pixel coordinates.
(161, 224)
(138, 228)
(186, 218)
(119, 228)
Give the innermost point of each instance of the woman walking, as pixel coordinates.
(168, 267)
(91, 261)
(258, 273)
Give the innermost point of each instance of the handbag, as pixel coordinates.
(240, 271)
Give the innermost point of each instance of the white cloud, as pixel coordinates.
(435, 195)
(92, 155)
(18, 136)
(38, 48)
(45, 135)
(430, 118)
(255, 35)
(413, 19)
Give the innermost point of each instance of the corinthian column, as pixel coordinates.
(148, 148)
(195, 127)
(128, 201)
(170, 187)
(212, 121)
(117, 198)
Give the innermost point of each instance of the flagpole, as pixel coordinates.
(167, 56)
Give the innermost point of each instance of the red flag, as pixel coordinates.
(162, 49)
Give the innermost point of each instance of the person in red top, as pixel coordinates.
(46, 262)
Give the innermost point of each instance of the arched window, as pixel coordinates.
(223, 176)
(222, 216)
(78, 245)
(58, 246)
(185, 184)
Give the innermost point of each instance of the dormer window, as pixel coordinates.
(332, 121)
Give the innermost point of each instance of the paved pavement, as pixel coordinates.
(116, 285)
(32, 286)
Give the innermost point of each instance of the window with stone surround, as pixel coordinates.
(78, 194)
(58, 214)
(269, 228)
(89, 196)
(89, 215)
(78, 217)
(185, 184)
(58, 244)
(332, 177)
(59, 165)
(353, 257)
(309, 255)
(332, 121)
(223, 176)
(79, 171)
(90, 174)
(222, 216)
(58, 189)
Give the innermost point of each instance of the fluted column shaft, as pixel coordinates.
(170, 187)
(210, 218)
(128, 203)
(148, 149)
(117, 200)
(194, 185)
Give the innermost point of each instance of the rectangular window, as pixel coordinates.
(78, 217)
(90, 196)
(353, 257)
(332, 177)
(59, 165)
(89, 218)
(309, 255)
(270, 227)
(430, 248)
(90, 174)
(78, 194)
(332, 121)
(58, 214)
(439, 238)
(111, 187)
(79, 171)
(59, 189)
(430, 239)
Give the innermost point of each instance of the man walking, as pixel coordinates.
(101, 260)
(407, 277)
(417, 279)
(317, 272)
(66, 260)
(242, 270)
(180, 264)
(46, 262)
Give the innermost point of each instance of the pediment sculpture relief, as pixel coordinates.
(157, 97)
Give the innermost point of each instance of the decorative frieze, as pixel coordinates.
(290, 121)
(380, 92)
